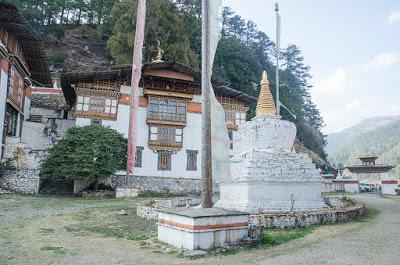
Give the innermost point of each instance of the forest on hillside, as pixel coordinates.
(243, 52)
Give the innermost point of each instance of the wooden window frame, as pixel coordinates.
(166, 134)
(191, 163)
(164, 160)
(97, 104)
(11, 120)
(80, 106)
(139, 156)
(166, 109)
(111, 106)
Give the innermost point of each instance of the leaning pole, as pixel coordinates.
(206, 159)
(136, 75)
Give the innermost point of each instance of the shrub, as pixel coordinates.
(56, 30)
(58, 57)
(86, 153)
(6, 165)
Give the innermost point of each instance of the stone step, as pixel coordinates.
(3, 191)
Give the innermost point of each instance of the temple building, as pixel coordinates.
(169, 113)
(350, 183)
(22, 64)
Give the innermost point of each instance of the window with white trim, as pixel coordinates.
(111, 106)
(83, 103)
(166, 134)
(97, 104)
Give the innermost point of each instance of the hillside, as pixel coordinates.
(371, 137)
(336, 140)
(77, 49)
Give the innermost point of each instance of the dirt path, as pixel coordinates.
(33, 230)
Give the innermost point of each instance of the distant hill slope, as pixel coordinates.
(336, 140)
(376, 136)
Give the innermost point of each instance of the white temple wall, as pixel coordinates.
(122, 123)
(27, 107)
(191, 141)
(3, 97)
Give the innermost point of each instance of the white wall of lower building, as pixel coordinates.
(389, 189)
(27, 107)
(3, 97)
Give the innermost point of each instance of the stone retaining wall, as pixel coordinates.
(349, 211)
(23, 181)
(160, 185)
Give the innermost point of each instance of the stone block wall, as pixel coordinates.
(308, 218)
(23, 181)
(160, 185)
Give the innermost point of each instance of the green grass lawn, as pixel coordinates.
(274, 237)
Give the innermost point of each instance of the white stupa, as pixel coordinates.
(267, 174)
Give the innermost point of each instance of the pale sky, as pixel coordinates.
(352, 46)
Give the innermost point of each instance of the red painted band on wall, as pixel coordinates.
(202, 227)
(346, 181)
(389, 181)
(47, 90)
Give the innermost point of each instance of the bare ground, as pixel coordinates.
(50, 230)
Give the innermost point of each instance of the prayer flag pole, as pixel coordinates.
(278, 43)
(206, 159)
(136, 75)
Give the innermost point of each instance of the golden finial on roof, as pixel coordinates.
(159, 55)
(265, 103)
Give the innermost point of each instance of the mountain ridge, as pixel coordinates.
(378, 136)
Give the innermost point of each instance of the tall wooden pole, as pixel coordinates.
(136, 75)
(278, 50)
(206, 159)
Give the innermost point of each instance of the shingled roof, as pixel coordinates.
(124, 73)
(15, 23)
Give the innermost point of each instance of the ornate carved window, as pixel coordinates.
(17, 89)
(139, 156)
(233, 117)
(164, 160)
(235, 111)
(191, 164)
(168, 137)
(11, 121)
(167, 109)
(96, 107)
(97, 104)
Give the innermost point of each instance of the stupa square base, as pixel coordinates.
(271, 196)
(201, 228)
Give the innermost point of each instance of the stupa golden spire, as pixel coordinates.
(265, 103)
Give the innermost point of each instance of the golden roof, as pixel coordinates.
(265, 103)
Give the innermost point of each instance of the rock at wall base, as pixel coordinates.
(126, 193)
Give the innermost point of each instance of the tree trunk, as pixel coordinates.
(62, 12)
(96, 185)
